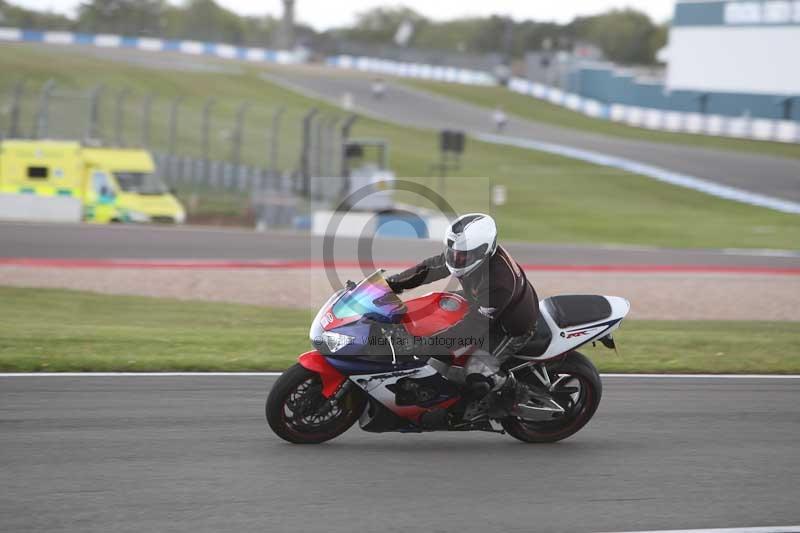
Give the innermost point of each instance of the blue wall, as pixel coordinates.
(699, 14)
(743, 13)
(609, 87)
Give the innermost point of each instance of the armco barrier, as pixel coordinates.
(412, 70)
(220, 50)
(786, 131)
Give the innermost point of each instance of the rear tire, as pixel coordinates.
(581, 369)
(301, 389)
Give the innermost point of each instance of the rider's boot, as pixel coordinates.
(495, 391)
(480, 394)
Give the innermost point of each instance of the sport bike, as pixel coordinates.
(362, 369)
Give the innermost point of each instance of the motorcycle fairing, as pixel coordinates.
(563, 340)
(331, 378)
(353, 365)
(382, 386)
(360, 330)
(433, 313)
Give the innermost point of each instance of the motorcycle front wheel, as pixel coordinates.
(577, 389)
(298, 412)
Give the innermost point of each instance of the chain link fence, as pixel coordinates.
(269, 155)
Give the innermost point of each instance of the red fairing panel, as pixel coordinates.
(435, 312)
(331, 378)
(415, 412)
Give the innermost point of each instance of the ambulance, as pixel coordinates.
(112, 184)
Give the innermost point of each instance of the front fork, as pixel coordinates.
(331, 402)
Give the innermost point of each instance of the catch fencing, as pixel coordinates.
(271, 153)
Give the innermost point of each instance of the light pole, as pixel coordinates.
(287, 26)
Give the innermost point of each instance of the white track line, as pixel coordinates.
(275, 374)
(776, 529)
(674, 178)
(137, 374)
(704, 376)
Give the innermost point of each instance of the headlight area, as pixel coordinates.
(336, 341)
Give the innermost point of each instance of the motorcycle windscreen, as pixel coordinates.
(370, 297)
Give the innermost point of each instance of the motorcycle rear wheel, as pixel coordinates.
(581, 405)
(294, 403)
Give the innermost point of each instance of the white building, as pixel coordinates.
(735, 46)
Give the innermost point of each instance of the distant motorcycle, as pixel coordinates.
(359, 370)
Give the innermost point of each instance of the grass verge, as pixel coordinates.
(46, 330)
(550, 198)
(542, 111)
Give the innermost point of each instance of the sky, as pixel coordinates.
(324, 14)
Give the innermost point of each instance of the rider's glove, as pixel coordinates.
(394, 286)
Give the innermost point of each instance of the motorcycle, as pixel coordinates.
(362, 369)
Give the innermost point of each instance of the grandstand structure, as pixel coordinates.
(741, 46)
(735, 58)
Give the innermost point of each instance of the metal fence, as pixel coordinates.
(209, 143)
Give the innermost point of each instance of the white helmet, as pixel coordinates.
(468, 242)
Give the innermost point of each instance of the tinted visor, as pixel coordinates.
(464, 258)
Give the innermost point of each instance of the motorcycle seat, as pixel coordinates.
(576, 310)
(540, 341)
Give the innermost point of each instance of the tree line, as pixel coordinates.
(624, 36)
(202, 20)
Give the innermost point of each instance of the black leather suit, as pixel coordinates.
(503, 303)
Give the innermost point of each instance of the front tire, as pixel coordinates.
(294, 408)
(579, 394)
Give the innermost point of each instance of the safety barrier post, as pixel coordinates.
(119, 116)
(93, 128)
(236, 138)
(305, 156)
(41, 125)
(275, 139)
(317, 146)
(330, 152)
(174, 108)
(14, 129)
(206, 143)
(147, 107)
(344, 136)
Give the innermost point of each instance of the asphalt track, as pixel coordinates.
(768, 175)
(193, 454)
(85, 241)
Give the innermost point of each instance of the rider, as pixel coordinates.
(503, 304)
